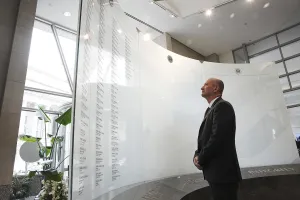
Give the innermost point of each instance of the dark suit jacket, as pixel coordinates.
(216, 144)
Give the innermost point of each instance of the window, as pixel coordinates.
(267, 50)
(47, 85)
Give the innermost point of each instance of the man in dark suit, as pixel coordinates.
(216, 154)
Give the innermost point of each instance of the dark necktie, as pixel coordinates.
(207, 110)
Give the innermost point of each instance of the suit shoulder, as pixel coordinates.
(224, 103)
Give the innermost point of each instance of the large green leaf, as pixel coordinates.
(43, 115)
(31, 174)
(52, 175)
(65, 118)
(28, 138)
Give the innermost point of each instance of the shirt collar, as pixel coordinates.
(212, 102)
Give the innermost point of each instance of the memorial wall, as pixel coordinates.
(138, 108)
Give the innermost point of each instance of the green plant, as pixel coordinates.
(54, 190)
(45, 152)
(20, 187)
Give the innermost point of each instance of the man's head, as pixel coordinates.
(212, 88)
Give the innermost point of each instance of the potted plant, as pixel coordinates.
(20, 187)
(53, 185)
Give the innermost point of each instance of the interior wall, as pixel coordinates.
(17, 18)
(212, 58)
(181, 49)
(226, 57)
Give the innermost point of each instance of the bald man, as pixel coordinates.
(216, 154)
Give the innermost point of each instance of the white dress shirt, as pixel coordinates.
(212, 102)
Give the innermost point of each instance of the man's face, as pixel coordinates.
(209, 88)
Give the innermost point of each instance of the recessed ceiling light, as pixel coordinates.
(147, 37)
(151, 2)
(208, 12)
(86, 36)
(267, 5)
(67, 14)
(120, 31)
(250, 1)
(199, 25)
(232, 15)
(171, 15)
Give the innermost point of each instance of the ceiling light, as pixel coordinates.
(232, 15)
(208, 12)
(199, 25)
(250, 1)
(171, 15)
(67, 14)
(266, 5)
(120, 31)
(147, 37)
(86, 36)
(151, 2)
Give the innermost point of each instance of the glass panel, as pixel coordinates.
(262, 45)
(284, 83)
(68, 44)
(30, 125)
(295, 80)
(289, 35)
(292, 97)
(280, 68)
(239, 56)
(45, 69)
(291, 49)
(267, 57)
(50, 102)
(295, 120)
(293, 64)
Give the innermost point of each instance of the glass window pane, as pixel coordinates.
(239, 56)
(267, 57)
(45, 69)
(295, 120)
(284, 83)
(293, 64)
(292, 97)
(68, 44)
(295, 80)
(291, 49)
(50, 102)
(262, 45)
(289, 35)
(30, 125)
(280, 68)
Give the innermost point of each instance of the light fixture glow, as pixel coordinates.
(250, 1)
(208, 12)
(151, 2)
(172, 16)
(266, 5)
(86, 36)
(120, 31)
(147, 37)
(67, 14)
(232, 15)
(199, 25)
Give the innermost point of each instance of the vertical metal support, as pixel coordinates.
(62, 57)
(233, 55)
(285, 68)
(71, 165)
(246, 53)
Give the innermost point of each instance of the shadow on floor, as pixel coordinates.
(266, 188)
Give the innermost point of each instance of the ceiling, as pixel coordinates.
(218, 33)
